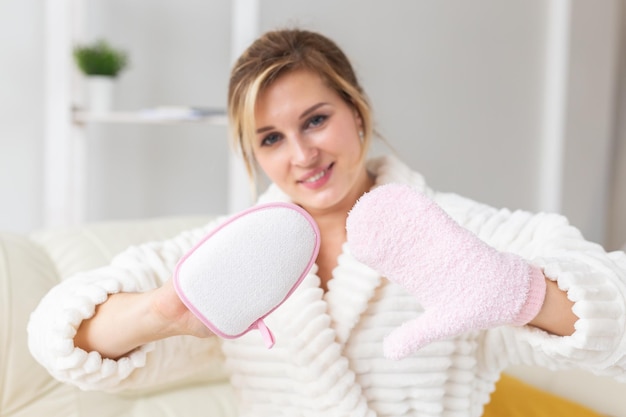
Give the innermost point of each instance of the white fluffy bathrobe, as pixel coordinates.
(328, 358)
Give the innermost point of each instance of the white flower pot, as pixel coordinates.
(99, 93)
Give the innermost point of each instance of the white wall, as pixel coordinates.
(616, 221)
(459, 89)
(590, 115)
(21, 113)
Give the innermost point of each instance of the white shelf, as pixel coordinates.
(149, 116)
(64, 153)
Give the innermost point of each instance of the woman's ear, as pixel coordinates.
(358, 118)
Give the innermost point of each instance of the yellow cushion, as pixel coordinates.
(514, 398)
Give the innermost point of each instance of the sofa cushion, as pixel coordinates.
(515, 398)
(89, 246)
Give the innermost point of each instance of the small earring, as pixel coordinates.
(361, 135)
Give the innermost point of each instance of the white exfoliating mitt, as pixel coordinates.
(246, 267)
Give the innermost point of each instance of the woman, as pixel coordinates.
(298, 113)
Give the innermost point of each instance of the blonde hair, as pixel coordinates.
(274, 54)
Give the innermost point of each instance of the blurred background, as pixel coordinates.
(517, 103)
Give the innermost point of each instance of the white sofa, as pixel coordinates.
(30, 265)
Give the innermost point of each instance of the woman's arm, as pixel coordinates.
(128, 320)
(110, 328)
(585, 295)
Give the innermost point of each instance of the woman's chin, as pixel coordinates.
(326, 200)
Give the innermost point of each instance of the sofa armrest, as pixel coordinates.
(26, 274)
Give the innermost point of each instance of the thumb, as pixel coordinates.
(417, 333)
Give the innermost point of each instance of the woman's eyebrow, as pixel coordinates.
(312, 109)
(303, 115)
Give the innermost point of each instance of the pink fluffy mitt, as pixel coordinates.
(462, 283)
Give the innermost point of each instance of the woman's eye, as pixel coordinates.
(316, 121)
(270, 139)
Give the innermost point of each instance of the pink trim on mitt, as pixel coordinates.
(535, 298)
(258, 323)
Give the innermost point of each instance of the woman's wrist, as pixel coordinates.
(556, 315)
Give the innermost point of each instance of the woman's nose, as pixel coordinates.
(303, 152)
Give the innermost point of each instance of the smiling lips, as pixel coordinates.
(318, 179)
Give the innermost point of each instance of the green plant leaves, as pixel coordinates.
(100, 58)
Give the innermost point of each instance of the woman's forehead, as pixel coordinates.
(297, 88)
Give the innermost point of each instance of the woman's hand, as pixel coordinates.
(462, 283)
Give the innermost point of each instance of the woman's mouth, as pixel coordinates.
(318, 179)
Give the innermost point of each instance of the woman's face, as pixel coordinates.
(307, 142)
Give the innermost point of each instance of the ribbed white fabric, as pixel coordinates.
(328, 358)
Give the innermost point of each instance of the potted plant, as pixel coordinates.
(101, 64)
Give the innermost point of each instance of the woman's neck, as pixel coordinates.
(332, 226)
